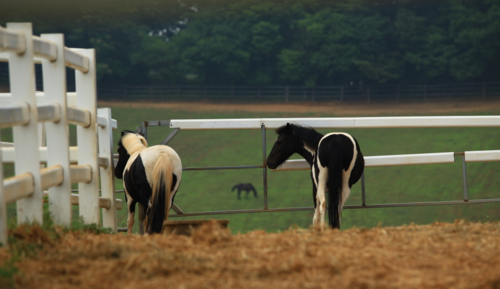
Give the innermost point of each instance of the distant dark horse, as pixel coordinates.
(245, 187)
(336, 164)
(151, 177)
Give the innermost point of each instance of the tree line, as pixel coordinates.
(281, 42)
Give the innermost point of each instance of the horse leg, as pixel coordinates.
(319, 214)
(130, 217)
(239, 192)
(346, 191)
(314, 190)
(142, 218)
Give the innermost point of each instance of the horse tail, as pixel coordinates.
(161, 186)
(334, 185)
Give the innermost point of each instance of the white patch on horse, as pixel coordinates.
(321, 180)
(149, 158)
(312, 151)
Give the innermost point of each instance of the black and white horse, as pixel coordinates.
(151, 177)
(336, 164)
(245, 187)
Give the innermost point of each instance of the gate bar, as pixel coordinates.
(363, 192)
(264, 161)
(144, 129)
(221, 168)
(170, 136)
(376, 206)
(464, 171)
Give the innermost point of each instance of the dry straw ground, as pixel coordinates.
(459, 255)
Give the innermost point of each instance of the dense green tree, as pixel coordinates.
(255, 42)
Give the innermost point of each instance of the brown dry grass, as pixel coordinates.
(459, 255)
(335, 108)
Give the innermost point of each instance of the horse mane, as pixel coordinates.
(307, 134)
(133, 143)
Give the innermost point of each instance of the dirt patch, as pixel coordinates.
(333, 108)
(459, 255)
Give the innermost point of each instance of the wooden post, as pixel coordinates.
(109, 218)
(54, 84)
(27, 159)
(87, 140)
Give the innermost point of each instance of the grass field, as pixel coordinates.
(211, 190)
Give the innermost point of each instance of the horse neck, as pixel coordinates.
(309, 138)
(307, 155)
(133, 147)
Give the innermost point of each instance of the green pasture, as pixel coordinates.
(211, 190)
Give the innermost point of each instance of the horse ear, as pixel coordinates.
(288, 128)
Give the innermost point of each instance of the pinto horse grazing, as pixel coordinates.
(151, 177)
(245, 187)
(336, 164)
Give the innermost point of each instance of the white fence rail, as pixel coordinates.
(29, 113)
(342, 123)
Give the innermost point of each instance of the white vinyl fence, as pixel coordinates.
(39, 122)
(337, 124)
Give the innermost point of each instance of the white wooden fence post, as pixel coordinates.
(86, 98)
(22, 86)
(3, 207)
(57, 136)
(109, 218)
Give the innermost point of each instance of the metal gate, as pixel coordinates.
(340, 123)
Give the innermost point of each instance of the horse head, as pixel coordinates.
(285, 146)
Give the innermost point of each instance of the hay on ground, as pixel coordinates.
(441, 255)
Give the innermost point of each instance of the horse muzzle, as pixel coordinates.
(271, 165)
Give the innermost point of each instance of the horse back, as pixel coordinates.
(334, 143)
(344, 143)
(150, 157)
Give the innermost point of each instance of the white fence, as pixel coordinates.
(39, 117)
(343, 123)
